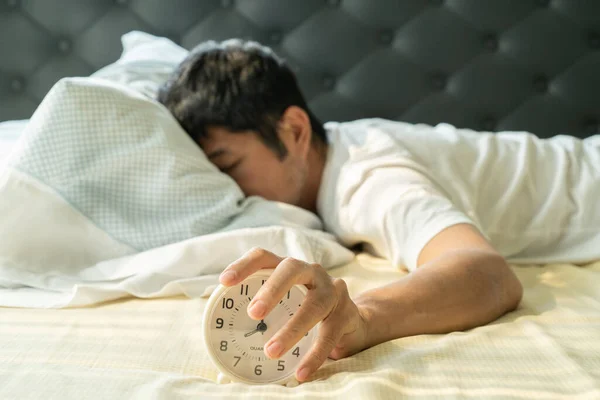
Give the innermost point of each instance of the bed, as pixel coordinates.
(151, 349)
(490, 66)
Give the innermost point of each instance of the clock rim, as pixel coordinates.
(219, 290)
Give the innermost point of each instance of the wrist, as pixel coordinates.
(376, 325)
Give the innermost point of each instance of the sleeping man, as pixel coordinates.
(450, 205)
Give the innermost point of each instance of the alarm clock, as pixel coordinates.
(235, 342)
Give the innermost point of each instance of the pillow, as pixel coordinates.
(145, 64)
(124, 162)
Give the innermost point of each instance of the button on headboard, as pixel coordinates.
(488, 65)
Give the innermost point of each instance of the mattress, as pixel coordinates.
(549, 348)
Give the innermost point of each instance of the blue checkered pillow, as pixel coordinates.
(125, 163)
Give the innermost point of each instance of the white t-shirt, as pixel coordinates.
(394, 186)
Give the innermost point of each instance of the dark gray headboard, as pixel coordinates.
(485, 64)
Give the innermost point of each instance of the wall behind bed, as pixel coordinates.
(485, 64)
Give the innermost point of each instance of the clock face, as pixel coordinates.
(236, 342)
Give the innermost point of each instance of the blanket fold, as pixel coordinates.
(52, 256)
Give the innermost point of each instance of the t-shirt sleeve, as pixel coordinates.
(398, 211)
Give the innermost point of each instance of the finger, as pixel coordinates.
(288, 273)
(249, 263)
(329, 335)
(317, 306)
(331, 331)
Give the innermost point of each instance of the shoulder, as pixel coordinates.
(367, 138)
(352, 131)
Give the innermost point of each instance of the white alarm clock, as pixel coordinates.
(236, 342)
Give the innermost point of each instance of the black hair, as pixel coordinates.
(239, 85)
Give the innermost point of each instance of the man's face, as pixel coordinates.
(255, 167)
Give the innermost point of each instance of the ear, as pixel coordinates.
(296, 130)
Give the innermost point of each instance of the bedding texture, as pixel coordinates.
(549, 348)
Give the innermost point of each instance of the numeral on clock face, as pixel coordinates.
(227, 303)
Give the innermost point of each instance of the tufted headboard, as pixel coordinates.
(484, 64)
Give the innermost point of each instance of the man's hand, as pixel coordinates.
(343, 328)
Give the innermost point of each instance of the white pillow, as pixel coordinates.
(146, 63)
(124, 162)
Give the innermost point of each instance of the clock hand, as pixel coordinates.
(251, 333)
(261, 327)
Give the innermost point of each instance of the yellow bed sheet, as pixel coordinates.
(152, 349)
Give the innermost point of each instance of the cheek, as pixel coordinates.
(254, 179)
(266, 179)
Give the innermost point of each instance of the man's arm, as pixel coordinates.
(461, 283)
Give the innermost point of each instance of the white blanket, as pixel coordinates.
(53, 256)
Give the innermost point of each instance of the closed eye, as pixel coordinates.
(231, 167)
